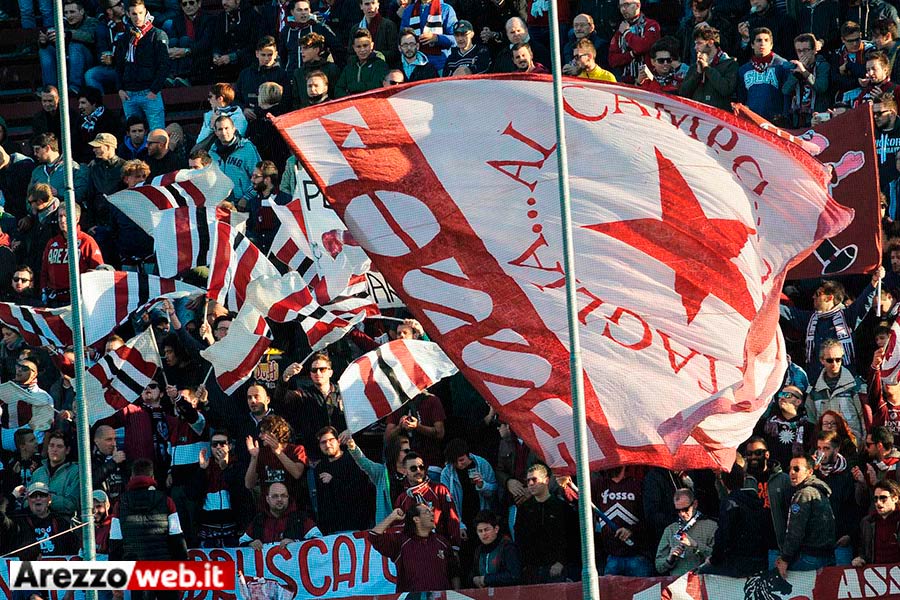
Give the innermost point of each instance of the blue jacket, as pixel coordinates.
(445, 41)
(488, 492)
(237, 161)
(761, 91)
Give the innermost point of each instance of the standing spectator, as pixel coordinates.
(226, 504)
(187, 437)
(837, 389)
(22, 291)
(761, 79)
(236, 157)
(48, 119)
(713, 78)
(432, 21)
(497, 562)
(142, 64)
(110, 27)
(703, 14)
(585, 63)
(389, 478)
(422, 421)
(466, 53)
(339, 16)
(384, 31)
(235, 33)
(807, 83)
(884, 36)
(766, 14)
(221, 104)
(160, 158)
(471, 482)
(809, 536)
(365, 69)
(280, 521)
(869, 12)
(133, 245)
(882, 458)
(341, 488)
(15, 173)
(273, 459)
(304, 23)
(413, 61)
(267, 69)
(37, 525)
(49, 162)
(884, 399)
(263, 223)
(109, 468)
(834, 470)
(96, 119)
(145, 525)
(60, 476)
(876, 85)
(39, 228)
(630, 46)
(100, 506)
(190, 44)
(850, 59)
(848, 444)
(55, 264)
(421, 490)
(619, 494)
(688, 542)
(787, 430)
(78, 36)
(314, 57)
(822, 19)
(887, 134)
(880, 530)
(262, 131)
(543, 530)
(18, 470)
(667, 77)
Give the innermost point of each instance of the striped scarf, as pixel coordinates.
(841, 332)
(90, 121)
(137, 34)
(433, 23)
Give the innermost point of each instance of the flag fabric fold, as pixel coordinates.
(39, 326)
(31, 407)
(890, 362)
(235, 356)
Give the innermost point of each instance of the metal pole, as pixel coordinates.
(81, 412)
(589, 584)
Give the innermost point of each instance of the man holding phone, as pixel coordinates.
(471, 481)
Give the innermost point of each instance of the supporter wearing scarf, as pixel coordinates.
(434, 23)
(761, 63)
(90, 121)
(137, 34)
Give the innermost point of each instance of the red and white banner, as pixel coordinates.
(683, 233)
(234, 262)
(287, 298)
(381, 381)
(185, 188)
(24, 407)
(234, 357)
(109, 297)
(120, 376)
(182, 238)
(890, 362)
(39, 326)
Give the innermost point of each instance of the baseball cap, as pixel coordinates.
(104, 139)
(462, 26)
(38, 487)
(100, 496)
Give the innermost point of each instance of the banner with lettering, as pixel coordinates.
(686, 220)
(381, 291)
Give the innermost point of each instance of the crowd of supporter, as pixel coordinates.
(817, 484)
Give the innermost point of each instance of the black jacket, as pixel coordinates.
(247, 86)
(289, 44)
(498, 563)
(236, 34)
(143, 519)
(740, 547)
(27, 529)
(151, 62)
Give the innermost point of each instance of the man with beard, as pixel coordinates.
(102, 522)
(517, 33)
(883, 458)
(663, 76)
(523, 59)
(630, 46)
(832, 468)
(281, 521)
(36, 525)
(421, 490)
(414, 63)
(236, 157)
(263, 223)
(341, 488)
(809, 536)
(713, 78)
(880, 530)
(160, 159)
(773, 489)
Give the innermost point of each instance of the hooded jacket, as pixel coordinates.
(810, 521)
(740, 546)
(419, 69)
(843, 399)
(237, 160)
(145, 524)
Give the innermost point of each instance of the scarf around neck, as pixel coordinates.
(137, 34)
(433, 23)
(90, 121)
(761, 63)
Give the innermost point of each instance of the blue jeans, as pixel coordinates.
(26, 13)
(630, 566)
(807, 562)
(103, 78)
(152, 110)
(79, 58)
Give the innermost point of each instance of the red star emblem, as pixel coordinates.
(700, 250)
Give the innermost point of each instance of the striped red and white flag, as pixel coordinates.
(121, 375)
(890, 362)
(182, 238)
(235, 356)
(354, 301)
(32, 407)
(287, 298)
(39, 326)
(378, 383)
(185, 188)
(111, 296)
(290, 244)
(234, 262)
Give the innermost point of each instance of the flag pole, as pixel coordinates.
(589, 583)
(81, 411)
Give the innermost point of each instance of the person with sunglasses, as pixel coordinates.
(226, 503)
(190, 42)
(787, 430)
(688, 542)
(22, 289)
(421, 490)
(773, 489)
(880, 529)
(837, 389)
(809, 537)
(666, 71)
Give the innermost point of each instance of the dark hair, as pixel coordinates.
(834, 288)
(890, 486)
(202, 155)
(92, 95)
(277, 426)
(879, 56)
(849, 28)
(707, 33)
(831, 437)
(49, 89)
(520, 45)
(362, 32)
(221, 318)
(46, 139)
(884, 27)
(666, 44)
(266, 41)
(455, 448)
(392, 449)
(56, 434)
(809, 460)
(407, 31)
(756, 439)
(487, 516)
(221, 431)
(320, 356)
(223, 90)
(806, 38)
(135, 120)
(325, 431)
(413, 456)
(312, 38)
(142, 468)
(20, 434)
(882, 435)
(268, 169)
(702, 4)
(761, 31)
(134, 3)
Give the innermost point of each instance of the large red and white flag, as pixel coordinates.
(109, 297)
(39, 326)
(234, 261)
(890, 362)
(381, 381)
(685, 221)
(31, 407)
(185, 188)
(120, 376)
(236, 355)
(182, 238)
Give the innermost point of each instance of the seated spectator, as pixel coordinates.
(422, 421)
(688, 542)
(273, 459)
(385, 36)
(497, 562)
(266, 70)
(304, 23)
(79, 33)
(584, 64)
(47, 120)
(396, 77)
(15, 174)
(342, 490)
(517, 33)
(236, 157)
(583, 28)
(110, 26)
(60, 476)
(424, 558)
(433, 25)
(142, 64)
(415, 65)
(40, 227)
(471, 482)
(95, 119)
(225, 504)
(466, 53)
(830, 420)
(822, 20)
(235, 33)
(787, 431)
(340, 17)
(389, 479)
(190, 43)
(837, 389)
(263, 223)
(187, 437)
(37, 525)
(18, 470)
(880, 530)
(49, 160)
(221, 101)
(884, 36)
(160, 159)
(135, 146)
(630, 46)
(806, 86)
(314, 55)
(102, 523)
(713, 78)
(543, 526)
(849, 61)
(364, 70)
(55, 265)
(279, 522)
(22, 291)
(760, 80)
(764, 13)
(664, 75)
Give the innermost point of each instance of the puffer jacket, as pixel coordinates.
(810, 524)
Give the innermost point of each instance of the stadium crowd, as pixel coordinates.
(816, 485)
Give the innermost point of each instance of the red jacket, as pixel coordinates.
(55, 264)
(437, 496)
(631, 50)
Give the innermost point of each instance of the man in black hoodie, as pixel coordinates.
(267, 69)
